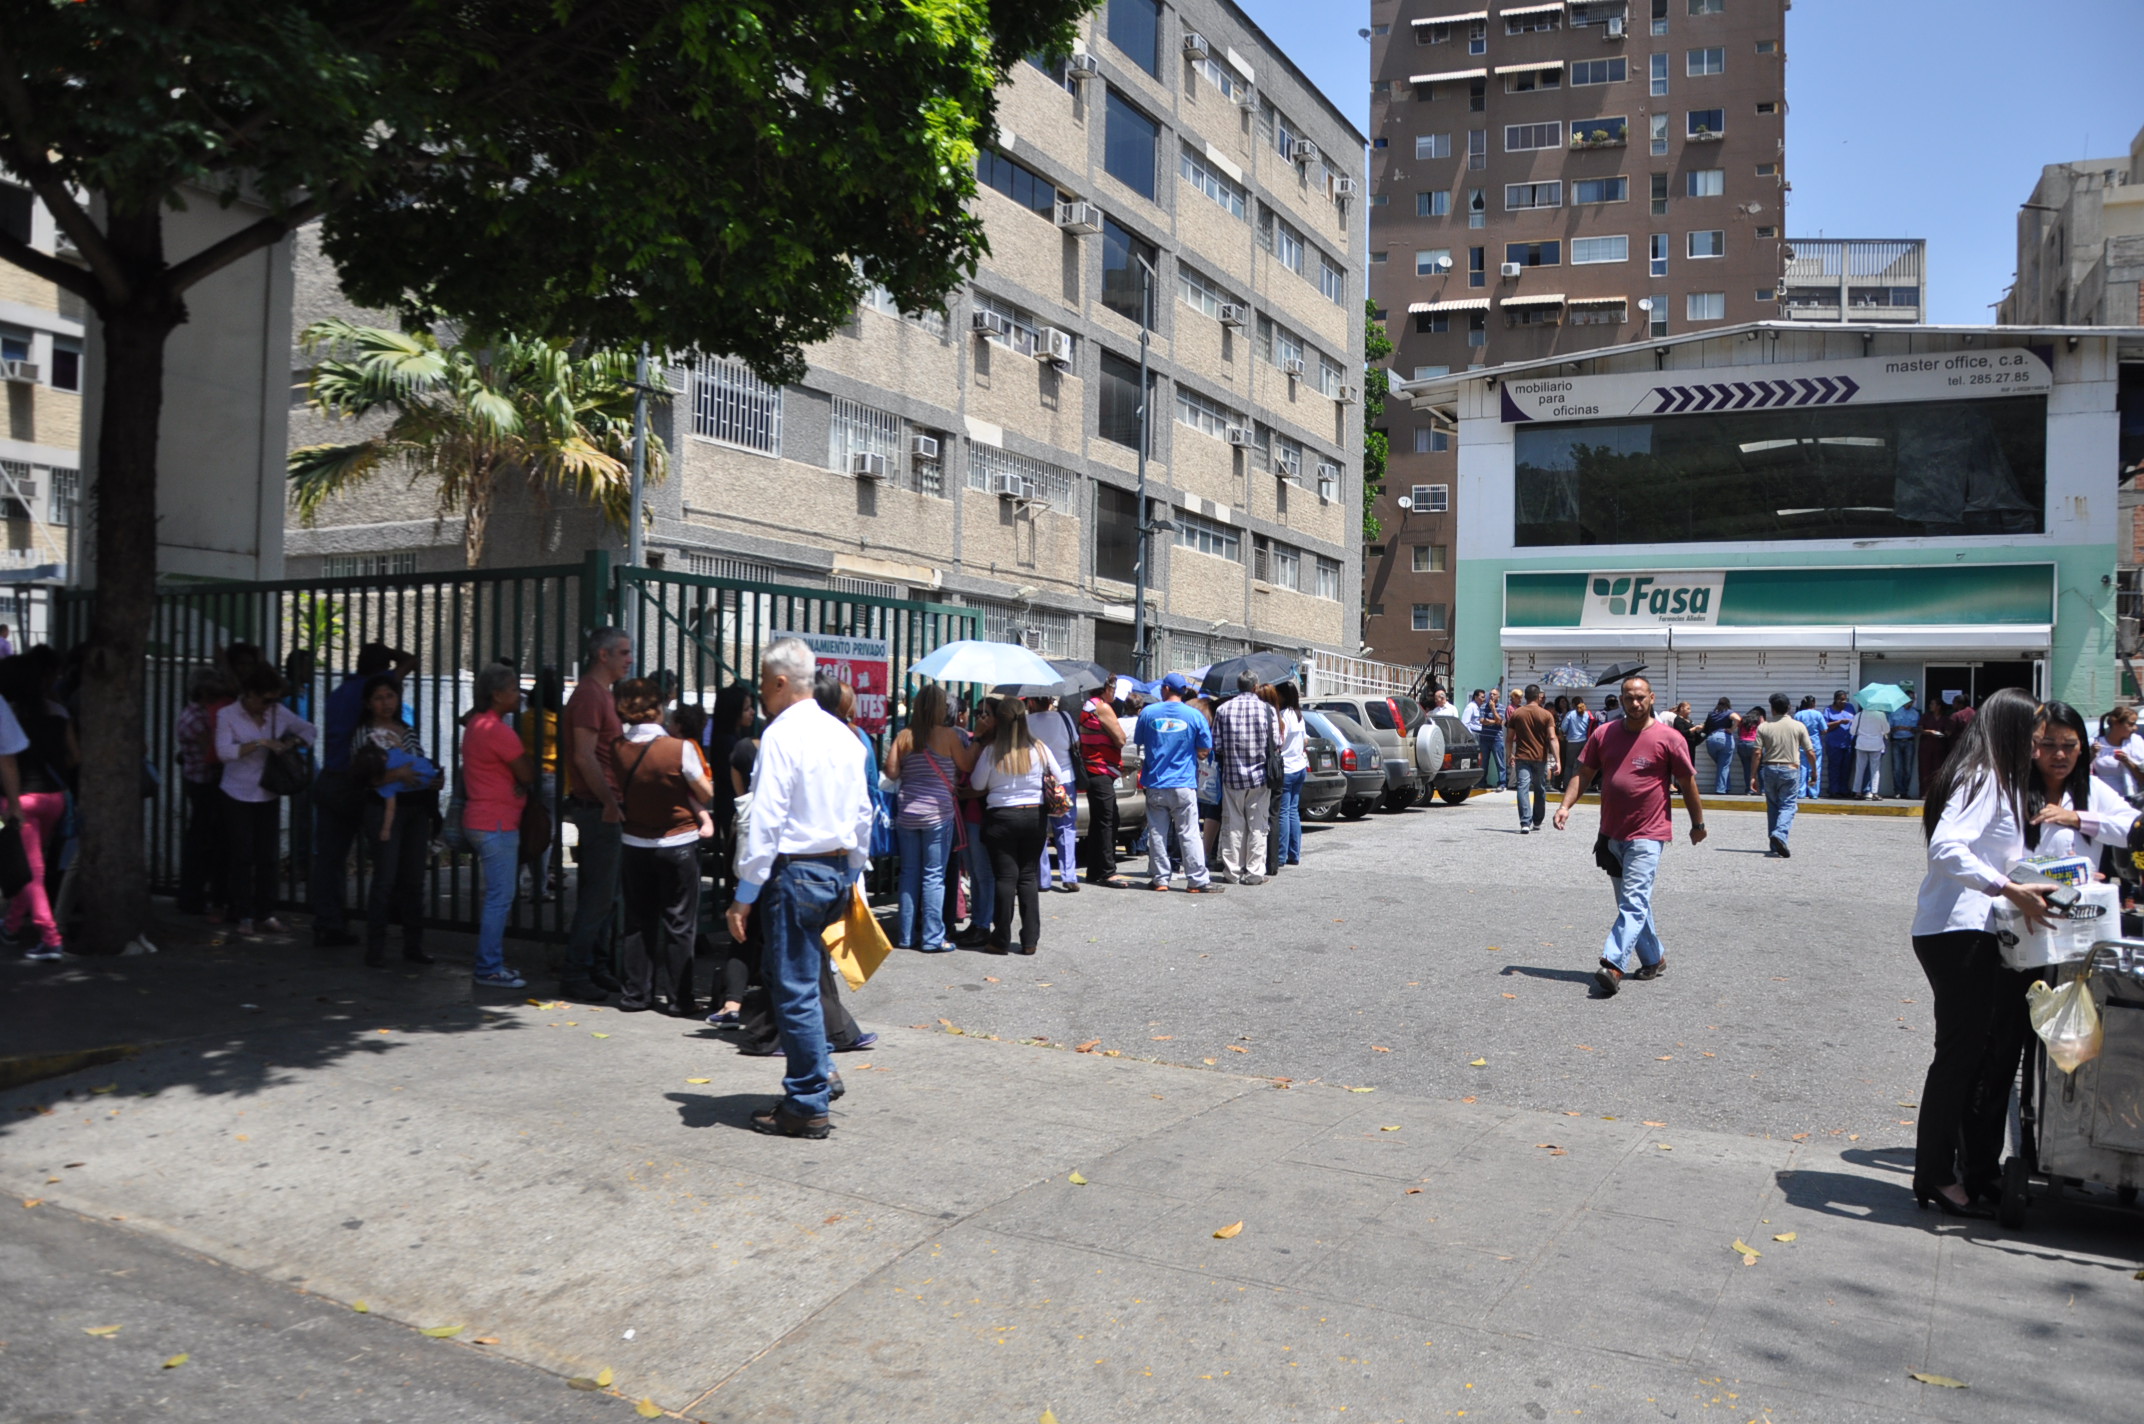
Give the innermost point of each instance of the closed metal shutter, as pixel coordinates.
(1751, 677)
(1525, 666)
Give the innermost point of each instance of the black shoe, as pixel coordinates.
(606, 982)
(1779, 848)
(333, 939)
(1651, 971)
(375, 958)
(1608, 979)
(582, 993)
(778, 1123)
(835, 1088)
(1942, 1203)
(632, 1006)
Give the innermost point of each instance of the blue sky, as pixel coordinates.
(1906, 118)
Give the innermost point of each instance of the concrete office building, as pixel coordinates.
(1780, 507)
(2080, 245)
(41, 371)
(987, 455)
(1863, 279)
(1550, 179)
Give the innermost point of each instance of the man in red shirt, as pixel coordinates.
(1634, 759)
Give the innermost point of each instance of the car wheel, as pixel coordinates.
(1455, 795)
(1398, 798)
(1354, 809)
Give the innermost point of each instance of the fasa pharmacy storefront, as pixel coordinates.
(1772, 509)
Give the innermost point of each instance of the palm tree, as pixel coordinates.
(471, 416)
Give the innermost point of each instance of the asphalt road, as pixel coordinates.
(1406, 946)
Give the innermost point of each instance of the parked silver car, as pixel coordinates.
(1391, 722)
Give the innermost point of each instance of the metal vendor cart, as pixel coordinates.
(2070, 1129)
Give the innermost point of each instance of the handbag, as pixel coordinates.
(960, 823)
(1605, 858)
(288, 771)
(856, 942)
(1276, 774)
(1056, 801)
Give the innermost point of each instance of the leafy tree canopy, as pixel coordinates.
(1376, 441)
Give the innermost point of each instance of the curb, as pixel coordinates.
(27, 1068)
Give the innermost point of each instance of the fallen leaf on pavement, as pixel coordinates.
(1394, 1128)
(28, 1202)
(360, 1307)
(1801, 1137)
(1650, 1123)
(1748, 1253)
(1414, 1191)
(699, 1080)
(1229, 1233)
(1665, 1058)
(1511, 996)
(175, 1361)
(1379, 1048)
(593, 1034)
(486, 1340)
(1048, 1418)
(990, 978)
(648, 1409)
(1941, 1381)
(1479, 1063)
(1466, 1100)
(1785, 1236)
(919, 1025)
(1235, 1048)
(1554, 1150)
(604, 1377)
(1077, 1180)
(582, 1382)
(1209, 1062)
(108, 1087)
(442, 1332)
(1161, 1037)
(1585, 1048)
(101, 1331)
(1112, 1053)
(1362, 1090)
(1663, 1147)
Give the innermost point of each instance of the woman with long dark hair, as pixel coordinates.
(1295, 770)
(1976, 817)
(1010, 773)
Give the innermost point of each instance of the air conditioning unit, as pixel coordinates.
(1327, 475)
(867, 466)
(989, 323)
(1511, 269)
(923, 447)
(1246, 97)
(26, 372)
(1079, 217)
(27, 489)
(1011, 487)
(1328, 489)
(64, 244)
(1195, 46)
(1348, 395)
(1031, 638)
(1344, 188)
(1082, 67)
(1303, 151)
(1613, 30)
(1288, 463)
(1231, 314)
(1293, 368)
(1053, 346)
(1242, 437)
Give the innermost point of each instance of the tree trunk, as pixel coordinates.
(114, 675)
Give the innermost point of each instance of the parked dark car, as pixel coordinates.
(1391, 722)
(1457, 767)
(1361, 761)
(1325, 787)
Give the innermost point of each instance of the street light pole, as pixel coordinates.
(1140, 659)
(635, 545)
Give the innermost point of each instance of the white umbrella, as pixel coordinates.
(991, 664)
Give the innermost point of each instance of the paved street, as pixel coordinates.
(1546, 1235)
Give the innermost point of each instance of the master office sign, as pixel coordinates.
(1683, 598)
(1875, 380)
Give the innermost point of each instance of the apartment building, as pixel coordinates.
(1858, 279)
(41, 335)
(1550, 179)
(1177, 176)
(2080, 245)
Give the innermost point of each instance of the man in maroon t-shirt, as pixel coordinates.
(1634, 759)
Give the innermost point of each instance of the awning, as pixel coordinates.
(1456, 304)
(1599, 301)
(1530, 9)
(2026, 638)
(1833, 639)
(1530, 68)
(1953, 637)
(1546, 300)
(1583, 640)
(1448, 76)
(1453, 19)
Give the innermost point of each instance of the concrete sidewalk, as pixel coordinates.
(557, 1179)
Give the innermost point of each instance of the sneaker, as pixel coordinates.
(1252, 880)
(727, 1018)
(1200, 889)
(1608, 978)
(44, 953)
(504, 979)
(1526, 830)
(1779, 848)
(863, 1043)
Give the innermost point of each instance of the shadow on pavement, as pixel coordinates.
(727, 1110)
(1564, 976)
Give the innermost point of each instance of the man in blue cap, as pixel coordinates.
(1172, 740)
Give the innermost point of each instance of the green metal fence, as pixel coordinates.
(703, 632)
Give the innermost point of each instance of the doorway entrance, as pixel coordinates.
(1978, 681)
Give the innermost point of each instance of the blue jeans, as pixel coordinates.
(1813, 777)
(1172, 812)
(1720, 746)
(499, 853)
(924, 851)
(1782, 793)
(1291, 817)
(1064, 839)
(798, 902)
(1633, 930)
(1530, 776)
(1492, 760)
(1902, 766)
(595, 892)
(982, 883)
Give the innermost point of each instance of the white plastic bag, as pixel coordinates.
(2067, 1021)
(2095, 916)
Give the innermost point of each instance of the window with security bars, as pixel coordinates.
(730, 567)
(395, 561)
(66, 495)
(868, 588)
(1208, 536)
(1050, 485)
(16, 486)
(1045, 630)
(731, 406)
(859, 429)
(1276, 563)
(1208, 417)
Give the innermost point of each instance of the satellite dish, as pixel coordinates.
(1405, 501)
(1645, 304)
(1442, 264)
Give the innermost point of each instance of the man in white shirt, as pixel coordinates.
(810, 834)
(1471, 713)
(1871, 731)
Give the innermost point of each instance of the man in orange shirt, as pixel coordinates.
(1530, 736)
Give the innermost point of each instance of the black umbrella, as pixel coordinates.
(1221, 678)
(1081, 676)
(1614, 673)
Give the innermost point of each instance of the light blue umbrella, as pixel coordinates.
(1883, 697)
(991, 664)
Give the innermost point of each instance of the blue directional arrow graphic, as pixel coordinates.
(1754, 395)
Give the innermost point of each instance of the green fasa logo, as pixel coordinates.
(1643, 594)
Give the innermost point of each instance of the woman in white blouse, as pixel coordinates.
(1975, 817)
(1014, 823)
(2118, 755)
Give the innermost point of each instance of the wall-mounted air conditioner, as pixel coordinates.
(1348, 395)
(1231, 314)
(1011, 487)
(989, 323)
(1053, 346)
(923, 447)
(866, 465)
(1288, 464)
(1082, 67)
(1195, 46)
(1344, 188)
(1242, 437)
(1079, 218)
(25, 372)
(1303, 151)
(1511, 269)
(1293, 367)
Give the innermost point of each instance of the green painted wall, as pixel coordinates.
(1776, 597)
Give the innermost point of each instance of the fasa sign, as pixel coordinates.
(1632, 600)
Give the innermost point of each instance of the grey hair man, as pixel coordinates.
(808, 838)
(1246, 740)
(591, 730)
